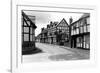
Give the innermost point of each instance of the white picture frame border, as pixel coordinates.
(16, 64)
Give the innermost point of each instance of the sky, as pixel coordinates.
(43, 18)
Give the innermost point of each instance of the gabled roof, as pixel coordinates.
(60, 23)
(83, 16)
(46, 30)
(27, 17)
(63, 20)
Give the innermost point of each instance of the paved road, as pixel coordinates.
(56, 53)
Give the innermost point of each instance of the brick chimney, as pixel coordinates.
(70, 20)
(70, 38)
(42, 29)
(48, 26)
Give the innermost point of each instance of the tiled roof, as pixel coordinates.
(85, 15)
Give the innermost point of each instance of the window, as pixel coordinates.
(85, 28)
(88, 20)
(80, 23)
(67, 28)
(84, 44)
(79, 42)
(77, 31)
(60, 27)
(81, 29)
(77, 25)
(26, 29)
(88, 28)
(72, 28)
(74, 32)
(33, 38)
(30, 37)
(26, 37)
(54, 39)
(71, 32)
(31, 30)
(86, 41)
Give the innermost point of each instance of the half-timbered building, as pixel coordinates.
(28, 33)
(55, 33)
(80, 32)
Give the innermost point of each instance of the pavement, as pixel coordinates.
(52, 52)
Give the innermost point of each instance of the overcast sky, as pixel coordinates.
(44, 18)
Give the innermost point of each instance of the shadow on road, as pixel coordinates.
(73, 56)
(32, 51)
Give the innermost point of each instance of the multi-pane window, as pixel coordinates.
(54, 39)
(88, 24)
(81, 29)
(86, 42)
(81, 26)
(88, 20)
(79, 42)
(33, 38)
(88, 28)
(26, 37)
(85, 28)
(71, 32)
(30, 37)
(26, 29)
(28, 33)
(31, 31)
(77, 30)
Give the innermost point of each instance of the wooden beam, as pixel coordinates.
(29, 34)
(22, 30)
(33, 24)
(25, 21)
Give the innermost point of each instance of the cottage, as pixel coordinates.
(55, 33)
(28, 33)
(80, 32)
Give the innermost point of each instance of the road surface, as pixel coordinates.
(52, 52)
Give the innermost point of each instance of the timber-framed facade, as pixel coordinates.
(55, 33)
(80, 32)
(28, 33)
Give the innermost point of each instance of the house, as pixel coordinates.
(28, 33)
(55, 33)
(80, 32)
